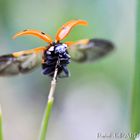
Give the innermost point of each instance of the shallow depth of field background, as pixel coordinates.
(96, 98)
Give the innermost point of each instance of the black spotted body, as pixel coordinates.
(56, 55)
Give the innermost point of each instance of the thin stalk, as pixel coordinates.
(135, 114)
(48, 107)
(1, 131)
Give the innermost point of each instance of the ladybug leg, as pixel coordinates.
(65, 72)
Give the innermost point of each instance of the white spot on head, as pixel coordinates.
(65, 45)
(61, 48)
(51, 48)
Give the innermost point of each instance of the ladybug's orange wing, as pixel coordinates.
(37, 33)
(89, 49)
(20, 62)
(66, 28)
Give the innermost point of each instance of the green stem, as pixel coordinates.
(46, 119)
(1, 132)
(135, 118)
(48, 108)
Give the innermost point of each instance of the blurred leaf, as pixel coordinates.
(1, 131)
(135, 126)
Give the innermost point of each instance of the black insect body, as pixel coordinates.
(56, 55)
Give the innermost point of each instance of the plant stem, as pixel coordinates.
(48, 107)
(1, 132)
(135, 114)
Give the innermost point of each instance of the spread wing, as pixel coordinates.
(20, 62)
(89, 50)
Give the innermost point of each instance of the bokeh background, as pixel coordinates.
(96, 98)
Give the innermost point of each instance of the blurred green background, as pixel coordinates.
(96, 98)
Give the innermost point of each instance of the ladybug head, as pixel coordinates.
(60, 48)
